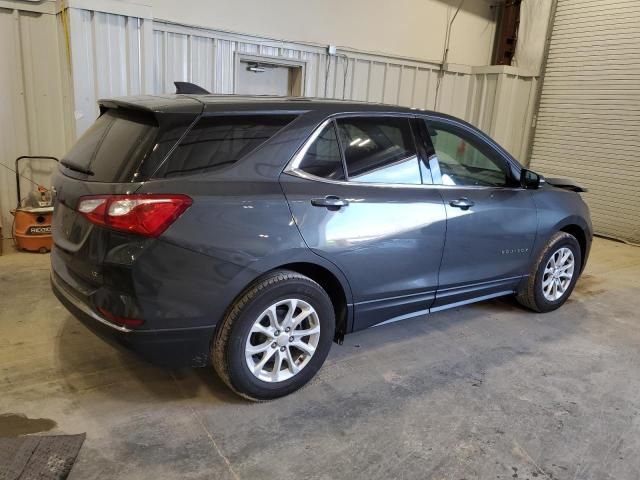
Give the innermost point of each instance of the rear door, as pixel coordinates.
(356, 194)
(491, 220)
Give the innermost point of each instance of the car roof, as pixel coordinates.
(183, 103)
(319, 108)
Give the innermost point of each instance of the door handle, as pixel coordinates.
(463, 203)
(330, 201)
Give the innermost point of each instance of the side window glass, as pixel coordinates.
(379, 150)
(463, 160)
(217, 142)
(323, 158)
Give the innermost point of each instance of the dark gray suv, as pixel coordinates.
(250, 233)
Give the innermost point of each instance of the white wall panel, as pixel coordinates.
(111, 66)
(266, 50)
(496, 99)
(133, 56)
(360, 88)
(224, 70)
(290, 53)
(350, 75)
(108, 60)
(312, 64)
(32, 111)
(405, 89)
(400, 28)
(249, 49)
(202, 62)
(391, 89)
(84, 68)
(159, 57)
(177, 65)
(375, 88)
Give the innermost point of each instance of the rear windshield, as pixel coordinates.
(114, 146)
(219, 141)
(125, 145)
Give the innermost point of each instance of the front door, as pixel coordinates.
(491, 220)
(356, 194)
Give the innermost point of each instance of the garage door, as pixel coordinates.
(588, 123)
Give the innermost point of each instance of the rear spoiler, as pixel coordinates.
(565, 183)
(156, 104)
(159, 104)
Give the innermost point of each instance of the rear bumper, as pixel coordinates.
(175, 348)
(63, 292)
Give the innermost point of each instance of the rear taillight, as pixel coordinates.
(147, 215)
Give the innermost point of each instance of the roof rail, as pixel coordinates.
(190, 88)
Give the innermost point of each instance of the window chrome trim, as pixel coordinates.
(294, 163)
(307, 176)
(293, 167)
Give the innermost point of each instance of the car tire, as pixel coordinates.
(538, 294)
(254, 320)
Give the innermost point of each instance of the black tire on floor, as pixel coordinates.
(531, 295)
(229, 343)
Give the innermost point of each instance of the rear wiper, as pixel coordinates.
(76, 168)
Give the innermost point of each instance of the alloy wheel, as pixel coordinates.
(557, 274)
(282, 340)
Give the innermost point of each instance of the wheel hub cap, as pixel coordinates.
(282, 340)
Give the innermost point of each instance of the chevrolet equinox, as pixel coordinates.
(251, 232)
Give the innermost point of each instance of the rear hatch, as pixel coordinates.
(122, 149)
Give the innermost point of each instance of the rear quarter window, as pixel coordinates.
(219, 141)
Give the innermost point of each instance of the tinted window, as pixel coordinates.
(464, 160)
(323, 158)
(168, 136)
(114, 146)
(217, 142)
(379, 150)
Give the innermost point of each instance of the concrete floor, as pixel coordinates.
(487, 391)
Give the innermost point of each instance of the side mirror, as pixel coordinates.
(529, 179)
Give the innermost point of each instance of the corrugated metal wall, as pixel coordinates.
(209, 58)
(111, 56)
(502, 105)
(589, 117)
(116, 55)
(32, 108)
